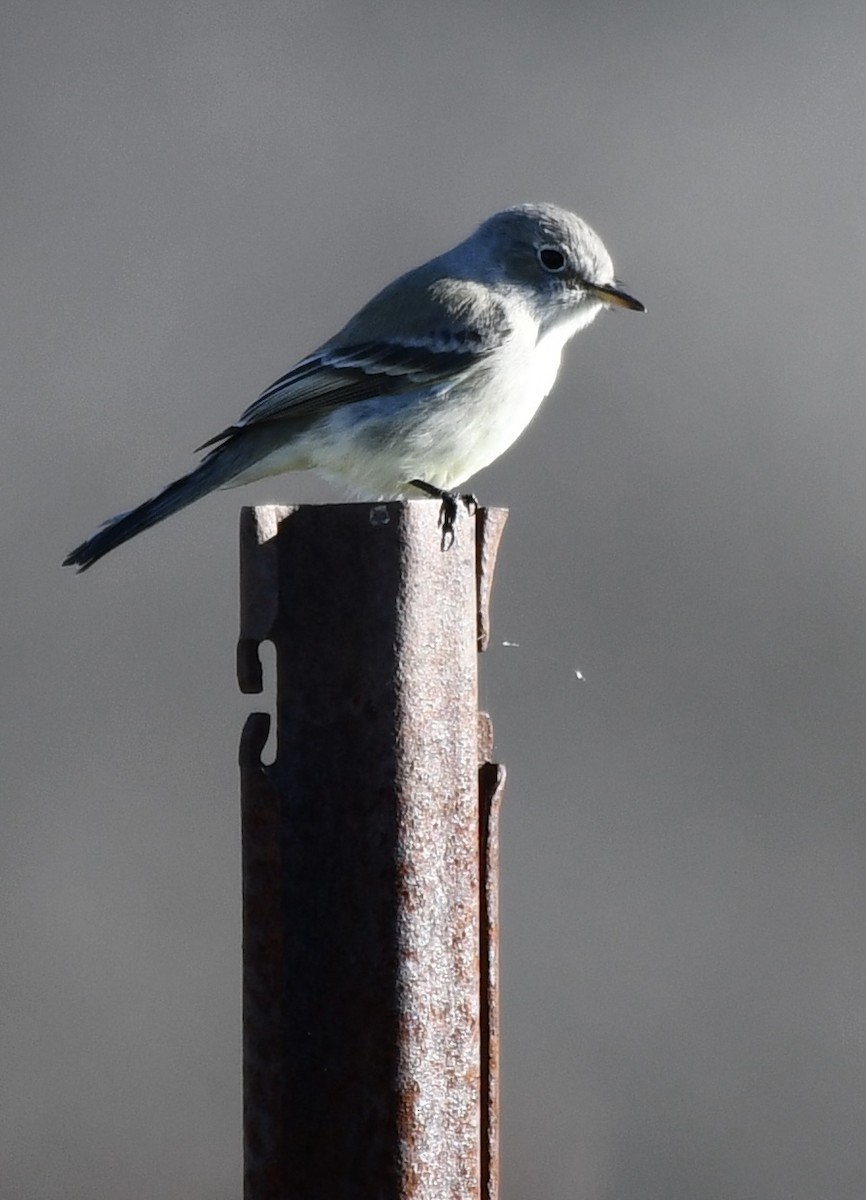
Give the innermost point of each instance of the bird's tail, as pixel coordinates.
(217, 469)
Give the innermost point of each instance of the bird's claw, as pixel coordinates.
(451, 502)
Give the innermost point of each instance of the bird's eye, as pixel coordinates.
(551, 259)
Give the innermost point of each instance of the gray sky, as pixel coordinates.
(194, 195)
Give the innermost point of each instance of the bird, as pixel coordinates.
(431, 380)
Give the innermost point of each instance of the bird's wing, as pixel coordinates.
(335, 376)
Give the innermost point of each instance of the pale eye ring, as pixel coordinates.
(552, 259)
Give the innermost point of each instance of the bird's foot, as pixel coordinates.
(451, 502)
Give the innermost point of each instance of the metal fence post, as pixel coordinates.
(369, 857)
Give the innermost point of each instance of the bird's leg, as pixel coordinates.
(448, 512)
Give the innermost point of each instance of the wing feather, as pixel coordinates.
(333, 377)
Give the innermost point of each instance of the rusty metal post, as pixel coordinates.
(369, 857)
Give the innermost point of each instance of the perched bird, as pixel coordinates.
(431, 381)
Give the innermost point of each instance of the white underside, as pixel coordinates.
(375, 447)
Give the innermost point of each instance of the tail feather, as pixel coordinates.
(218, 468)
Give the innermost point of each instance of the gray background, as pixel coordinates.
(196, 194)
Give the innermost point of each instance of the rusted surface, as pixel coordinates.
(490, 523)
(369, 944)
(491, 783)
(260, 587)
(264, 993)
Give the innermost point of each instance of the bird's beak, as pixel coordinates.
(608, 294)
